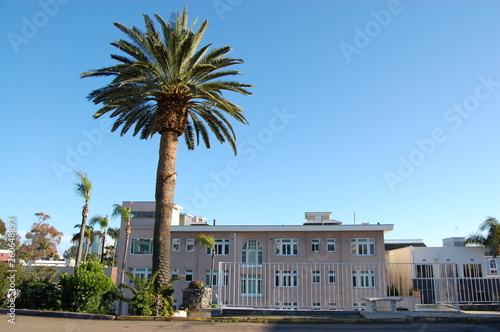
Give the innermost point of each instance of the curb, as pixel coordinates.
(58, 314)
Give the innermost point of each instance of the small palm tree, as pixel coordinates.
(44, 246)
(167, 83)
(103, 223)
(83, 187)
(208, 241)
(491, 240)
(125, 215)
(114, 233)
(146, 300)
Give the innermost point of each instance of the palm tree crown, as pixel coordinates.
(170, 83)
(491, 240)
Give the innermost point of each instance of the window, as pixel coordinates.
(215, 278)
(493, 266)
(174, 273)
(251, 253)
(143, 214)
(472, 271)
(359, 305)
(332, 277)
(424, 271)
(286, 247)
(176, 244)
(363, 247)
(286, 305)
(363, 279)
(449, 271)
(141, 247)
(251, 285)
(188, 275)
(330, 245)
(143, 273)
(221, 247)
(189, 245)
(315, 245)
(316, 277)
(332, 306)
(316, 306)
(286, 279)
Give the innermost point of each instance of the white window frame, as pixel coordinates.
(188, 275)
(315, 245)
(251, 285)
(215, 276)
(330, 242)
(316, 277)
(286, 247)
(221, 247)
(332, 277)
(286, 279)
(142, 272)
(133, 244)
(174, 272)
(363, 247)
(176, 244)
(252, 253)
(364, 279)
(189, 245)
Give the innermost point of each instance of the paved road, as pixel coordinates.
(42, 324)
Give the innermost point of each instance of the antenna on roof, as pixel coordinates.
(354, 217)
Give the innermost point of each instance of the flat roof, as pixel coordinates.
(280, 228)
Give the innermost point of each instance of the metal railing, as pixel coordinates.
(327, 286)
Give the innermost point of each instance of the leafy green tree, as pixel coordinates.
(88, 290)
(167, 84)
(88, 236)
(103, 223)
(40, 232)
(83, 187)
(146, 300)
(490, 240)
(71, 252)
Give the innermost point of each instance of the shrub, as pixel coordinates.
(147, 301)
(196, 284)
(88, 290)
(39, 295)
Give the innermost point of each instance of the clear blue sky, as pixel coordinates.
(389, 109)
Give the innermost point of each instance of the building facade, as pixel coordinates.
(266, 265)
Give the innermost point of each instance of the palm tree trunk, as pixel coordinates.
(165, 187)
(85, 212)
(103, 244)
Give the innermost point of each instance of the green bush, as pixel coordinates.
(39, 295)
(88, 290)
(147, 301)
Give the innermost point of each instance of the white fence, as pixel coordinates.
(341, 286)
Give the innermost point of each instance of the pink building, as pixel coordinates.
(268, 265)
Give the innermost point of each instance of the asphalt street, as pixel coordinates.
(42, 324)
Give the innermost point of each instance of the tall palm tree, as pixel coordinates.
(103, 223)
(83, 187)
(491, 240)
(125, 215)
(167, 84)
(88, 236)
(114, 233)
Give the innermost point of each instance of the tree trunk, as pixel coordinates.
(85, 211)
(103, 244)
(165, 188)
